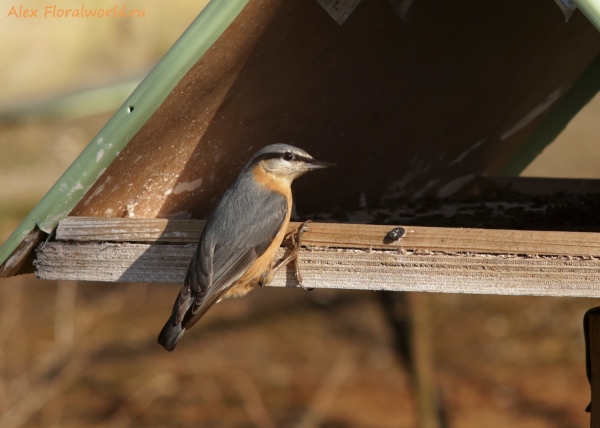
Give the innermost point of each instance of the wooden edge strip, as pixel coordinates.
(342, 235)
(21, 260)
(337, 268)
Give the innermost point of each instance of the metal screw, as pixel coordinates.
(396, 233)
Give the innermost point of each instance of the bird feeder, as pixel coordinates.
(410, 99)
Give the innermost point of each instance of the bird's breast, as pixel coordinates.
(273, 184)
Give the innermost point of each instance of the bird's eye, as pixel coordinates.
(288, 156)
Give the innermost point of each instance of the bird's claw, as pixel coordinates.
(304, 287)
(297, 237)
(297, 241)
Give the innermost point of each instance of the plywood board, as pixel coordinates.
(404, 110)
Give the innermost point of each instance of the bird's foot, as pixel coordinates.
(296, 238)
(297, 241)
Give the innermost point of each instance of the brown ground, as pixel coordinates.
(280, 357)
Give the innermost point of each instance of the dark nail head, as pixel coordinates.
(396, 233)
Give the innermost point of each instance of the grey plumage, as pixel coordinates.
(238, 231)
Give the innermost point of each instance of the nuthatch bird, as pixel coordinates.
(241, 237)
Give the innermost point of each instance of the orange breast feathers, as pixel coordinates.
(274, 184)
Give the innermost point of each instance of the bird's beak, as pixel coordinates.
(319, 165)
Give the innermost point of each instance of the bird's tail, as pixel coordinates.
(170, 334)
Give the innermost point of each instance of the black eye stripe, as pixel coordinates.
(304, 158)
(296, 157)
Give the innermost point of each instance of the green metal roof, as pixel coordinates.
(591, 10)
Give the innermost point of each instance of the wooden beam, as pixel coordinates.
(129, 230)
(338, 268)
(348, 256)
(341, 235)
(21, 259)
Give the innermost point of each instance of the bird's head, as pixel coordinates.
(286, 162)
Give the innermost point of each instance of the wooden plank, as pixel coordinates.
(20, 261)
(244, 92)
(129, 230)
(339, 268)
(340, 235)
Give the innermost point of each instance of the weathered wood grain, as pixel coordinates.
(129, 229)
(339, 268)
(341, 235)
(20, 261)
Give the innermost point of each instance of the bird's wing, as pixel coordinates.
(221, 260)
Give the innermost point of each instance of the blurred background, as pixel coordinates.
(84, 354)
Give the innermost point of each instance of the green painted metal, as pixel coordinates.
(591, 9)
(127, 121)
(584, 89)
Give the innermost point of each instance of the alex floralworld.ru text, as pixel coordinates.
(82, 12)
